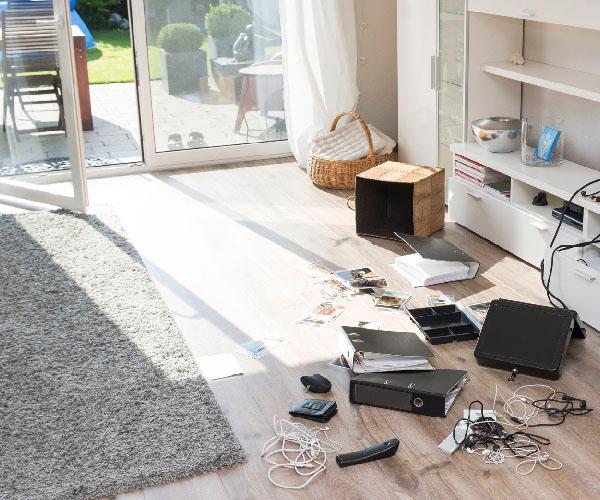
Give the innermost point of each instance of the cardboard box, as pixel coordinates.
(397, 197)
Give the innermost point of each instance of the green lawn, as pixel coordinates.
(112, 58)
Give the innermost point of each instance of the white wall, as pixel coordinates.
(577, 49)
(377, 63)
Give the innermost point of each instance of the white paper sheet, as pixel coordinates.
(425, 272)
(219, 366)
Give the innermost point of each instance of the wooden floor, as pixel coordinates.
(227, 247)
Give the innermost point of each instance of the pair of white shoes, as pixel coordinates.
(195, 140)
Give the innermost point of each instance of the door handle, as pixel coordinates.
(539, 226)
(473, 195)
(582, 274)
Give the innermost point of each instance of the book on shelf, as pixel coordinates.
(482, 177)
(468, 178)
(471, 163)
(501, 188)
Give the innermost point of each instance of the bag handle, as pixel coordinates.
(362, 124)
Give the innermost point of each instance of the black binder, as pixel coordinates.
(423, 393)
(528, 337)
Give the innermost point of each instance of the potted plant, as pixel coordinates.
(182, 61)
(224, 23)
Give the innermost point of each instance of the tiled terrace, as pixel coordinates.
(116, 139)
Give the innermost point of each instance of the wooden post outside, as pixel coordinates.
(83, 84)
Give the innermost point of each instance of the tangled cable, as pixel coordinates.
(520, 411)
(301, 447)
(483, 433)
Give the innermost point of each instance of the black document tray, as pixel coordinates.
(443, 324)
(529, 337)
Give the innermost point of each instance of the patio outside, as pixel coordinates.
(207, 110)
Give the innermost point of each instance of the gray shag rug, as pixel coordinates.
(99, 393)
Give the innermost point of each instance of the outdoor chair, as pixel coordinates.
(30, 67)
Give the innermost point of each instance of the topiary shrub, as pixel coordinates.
(227, 20)
(180, 37)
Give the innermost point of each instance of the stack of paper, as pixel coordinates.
(371, 351)
(435, 261)
(426, 272)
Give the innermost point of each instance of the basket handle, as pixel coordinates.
(362, 124)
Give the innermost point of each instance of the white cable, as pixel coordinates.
(301, 447)
(517, 406)
(523, 402)
(521, 450)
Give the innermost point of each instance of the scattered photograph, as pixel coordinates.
(363, 277)
(316, 271)
(258, 349)
(340, 362)
(391, 299)
(480, 310)
(324, 313)
(439, 299)
(334, 289)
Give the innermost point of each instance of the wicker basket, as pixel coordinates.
(341, 174)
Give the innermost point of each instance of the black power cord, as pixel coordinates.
(559, 406)
(561, 248)
(489, 432)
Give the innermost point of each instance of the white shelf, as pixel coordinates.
(560, 180)
(566, 81)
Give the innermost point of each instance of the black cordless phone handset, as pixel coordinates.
(377, 452)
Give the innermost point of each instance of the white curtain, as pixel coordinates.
(319, 58)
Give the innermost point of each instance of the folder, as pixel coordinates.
(424, 393)
(530, 338)
(435, 261)
(369, 350)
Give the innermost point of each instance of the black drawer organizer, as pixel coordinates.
(443, 324)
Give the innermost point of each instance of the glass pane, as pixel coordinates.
(452, 47)
(33, 137)
(216, 73)
(452, 6)
(450, 113)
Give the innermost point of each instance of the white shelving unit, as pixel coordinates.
(495, 30)
(566, 81)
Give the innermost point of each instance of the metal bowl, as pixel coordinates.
(498, 134)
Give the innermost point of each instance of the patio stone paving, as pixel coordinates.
(116, 139)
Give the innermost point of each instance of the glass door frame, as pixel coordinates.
(73, 128)
(154, 160)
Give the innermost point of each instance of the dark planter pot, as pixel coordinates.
(182, 71)
(224, 46)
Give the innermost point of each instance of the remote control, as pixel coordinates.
(377, 452)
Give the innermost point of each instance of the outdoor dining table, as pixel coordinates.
(261, 87)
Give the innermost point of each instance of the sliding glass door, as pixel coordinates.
(41, 129)
(210, 80)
